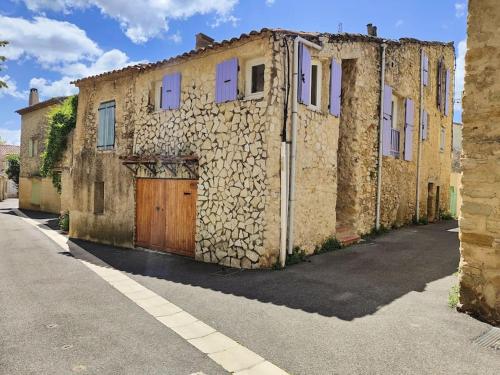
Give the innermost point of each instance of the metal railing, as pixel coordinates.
(395, 137)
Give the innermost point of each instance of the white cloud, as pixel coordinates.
(11, 89)
(142, 20)
(46, 40)
(270, 2)
(10, 136)
(460, 9)
(225, 19)
(176, 38)
(460, 74)
(399, 23)
(49, 89)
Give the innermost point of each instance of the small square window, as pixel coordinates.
(254, 78)
(258, 78)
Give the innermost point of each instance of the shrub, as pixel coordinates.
(453, 296)
(13, 168)
(446, 216)
(61, 120)
(298, 256)
(330, 244)
(64, 222)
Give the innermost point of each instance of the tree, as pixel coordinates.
(13, 168)
(3, 43)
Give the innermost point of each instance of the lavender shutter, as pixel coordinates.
(447, 94)
(171, 91)
(425, 123)
(335, 88)
(304, 88)
(387, 123)
(226, 81)
(409, 129)
(425, 69)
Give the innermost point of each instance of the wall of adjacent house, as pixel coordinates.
(480, 221)
(34, 131)
(399, 175)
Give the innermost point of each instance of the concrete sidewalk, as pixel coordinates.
(378, 307)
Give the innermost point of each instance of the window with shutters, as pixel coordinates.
(106, 126)
(395, 126)
(32, 147)
(315, 95)
(254, 78)
(226, 81)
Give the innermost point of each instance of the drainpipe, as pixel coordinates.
(293, 151)
(383, 46)
(419, 150)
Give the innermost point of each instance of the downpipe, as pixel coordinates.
(383, 47)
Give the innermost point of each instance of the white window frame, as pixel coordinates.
(319, 84)
(248, 78)
(395, 112)
(157, 86)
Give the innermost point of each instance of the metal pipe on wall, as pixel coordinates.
(383, 47)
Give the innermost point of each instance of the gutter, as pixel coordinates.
(383, 47)
(293, 149)
(419, 152)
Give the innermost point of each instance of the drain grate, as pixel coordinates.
(489, 339)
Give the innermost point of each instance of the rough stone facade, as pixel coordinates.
(35, 192)
(480, 221)
(238, 144)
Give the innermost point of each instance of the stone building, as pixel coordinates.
(480, 220)
(456, 171)
(35, 192)
(8, 188)
(239, 150)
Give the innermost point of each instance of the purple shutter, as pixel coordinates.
(409, 116)
(335, 88)
(425, 69)
(171, 91)
(226, 81)
(304, 88)
(447, 94)
(425, 123)
(387, 123)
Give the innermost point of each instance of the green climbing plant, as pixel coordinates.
(61, 120)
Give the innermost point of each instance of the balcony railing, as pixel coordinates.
(395, 136)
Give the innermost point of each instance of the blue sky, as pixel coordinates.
(55, 41)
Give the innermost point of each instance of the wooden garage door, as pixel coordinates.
(166, 215)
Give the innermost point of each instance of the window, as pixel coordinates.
(32, 147)
(254, 78)
(395, 133)
(106, 128)
(316, 85)
(98, 197)
(442, 139)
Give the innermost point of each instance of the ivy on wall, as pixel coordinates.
(61, 120)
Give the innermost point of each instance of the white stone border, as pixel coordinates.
(224, 351)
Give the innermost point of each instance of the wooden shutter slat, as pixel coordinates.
(409, 120)
(304, 88)
(387, 121)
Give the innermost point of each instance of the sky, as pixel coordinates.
(53, 42)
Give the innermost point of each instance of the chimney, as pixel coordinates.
(203, 41)
(372, 30)
(33, 97)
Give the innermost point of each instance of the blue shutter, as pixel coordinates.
(409, 116)
(171, 91)
(101, 127)
(226, 81)
(110, 141)
(387, 121)
(335, 88)
(304, 87)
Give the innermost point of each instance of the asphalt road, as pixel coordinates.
(375, 308)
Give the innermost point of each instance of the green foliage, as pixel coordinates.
(13, 168)
(61, 120)
(421, 221)
(453, 296)
(446, 215)
(298, 256)
(3, 43)
(64, 222)
(330, 244)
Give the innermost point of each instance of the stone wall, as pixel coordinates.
(480, 221)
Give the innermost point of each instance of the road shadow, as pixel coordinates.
(348, 284)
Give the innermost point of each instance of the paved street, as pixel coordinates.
(378, 307)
